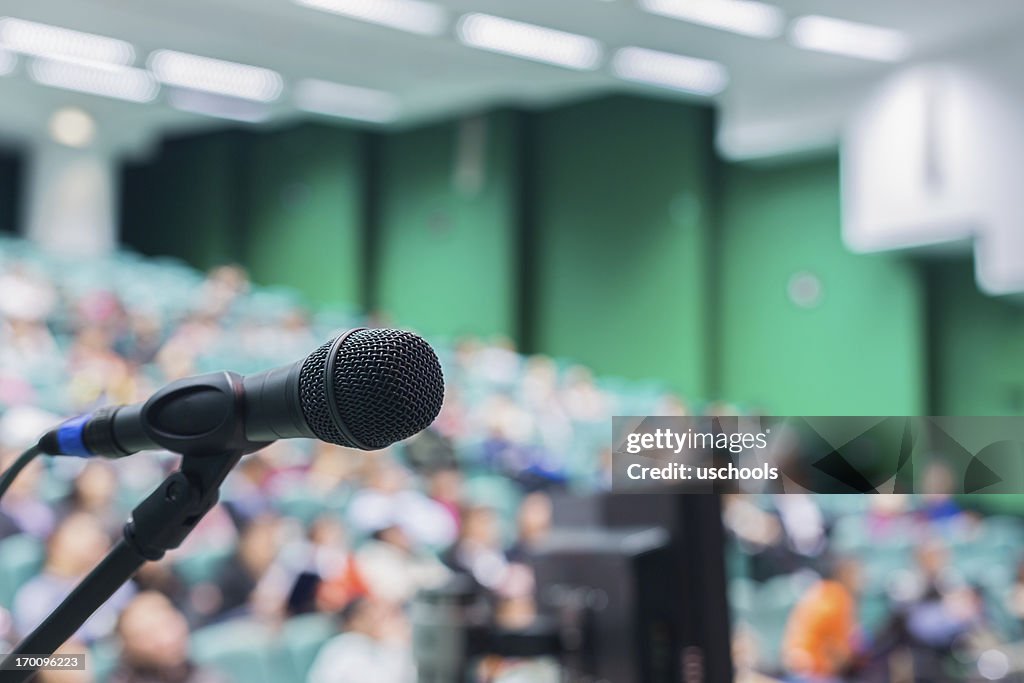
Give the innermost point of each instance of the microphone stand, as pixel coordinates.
(160, 523)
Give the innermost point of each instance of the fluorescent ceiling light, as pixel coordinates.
(413, 16)
(8, 60)
(746, 17)
(346, 101)
(826, 34)
(120, 82)
(43, 40)
(668, 70)
(528, 41)
(185, 70)
(218, 106)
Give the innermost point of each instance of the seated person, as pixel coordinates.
(154, 644)
(373, 646)
(74, 549)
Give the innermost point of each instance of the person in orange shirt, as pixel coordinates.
(335, 592)
(821, 637)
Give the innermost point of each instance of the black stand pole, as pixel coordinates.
(160, 523)
(119, 566)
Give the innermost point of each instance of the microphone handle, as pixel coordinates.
(199, 416)
(272, 405)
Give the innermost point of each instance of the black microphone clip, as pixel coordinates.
(196, 416)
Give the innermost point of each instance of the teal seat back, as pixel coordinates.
(303, 637)
(21, 558)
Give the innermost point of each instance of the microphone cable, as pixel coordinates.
(8, 477)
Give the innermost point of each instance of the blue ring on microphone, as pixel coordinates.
(71, 437)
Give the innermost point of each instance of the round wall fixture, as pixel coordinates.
(805, 289)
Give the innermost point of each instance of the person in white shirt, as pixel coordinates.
(395, 569)
(390, 498)
(374, 645)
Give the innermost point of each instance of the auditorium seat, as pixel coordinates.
(21, 558)
(250, 651)
(201, 566)
(243, 650)
(303, 637)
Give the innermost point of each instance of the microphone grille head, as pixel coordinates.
(376, 387)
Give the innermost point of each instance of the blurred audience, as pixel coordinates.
(75, 548)
(395, 569)
(318, 570)
(21, 506)
(302, 527)
(310, 527)
(93, 492)
(746, 657)
(243, 583)
(154, 639)
(373, 646)
(1016, 601)
(389, 498)
(8, 526)
(533, 524)
(84, 675)
(821, 641)
(479, 552)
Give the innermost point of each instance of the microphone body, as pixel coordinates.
(208, 413)
(365, 389)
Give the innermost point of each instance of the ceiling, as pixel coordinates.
(436, 77)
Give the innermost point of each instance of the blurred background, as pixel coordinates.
(590, 207)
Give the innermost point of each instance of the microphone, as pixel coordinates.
(365, 389)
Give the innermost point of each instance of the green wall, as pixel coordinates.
(860, 351)
(303, 211)
(977, 342)
(11, 166)
(621, 238)
(185, 203)
(285, 203)
(605, 232)
(446, 250)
